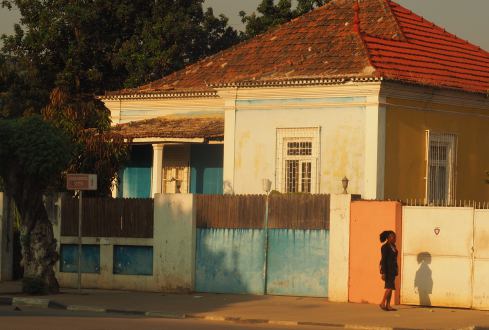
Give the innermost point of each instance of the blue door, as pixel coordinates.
(206, 163)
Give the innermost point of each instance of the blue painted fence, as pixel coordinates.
(233, 261)
(298, 262)
(90, 261)
(133, 260)
(230, 261)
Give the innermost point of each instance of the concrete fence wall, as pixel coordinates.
(164, 263)
(368, 220)
(181, 258)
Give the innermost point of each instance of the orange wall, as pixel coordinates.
(405, 162)
(368, 219)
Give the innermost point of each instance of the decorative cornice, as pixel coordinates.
(242, 84)
(293, 82)
(160, 95)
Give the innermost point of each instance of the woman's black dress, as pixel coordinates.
(388, 265)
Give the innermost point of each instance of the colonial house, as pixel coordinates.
(363, 89)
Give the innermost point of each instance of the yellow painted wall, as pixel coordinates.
(407, 122)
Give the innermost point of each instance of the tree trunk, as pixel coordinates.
(37, 238)
(39, 257)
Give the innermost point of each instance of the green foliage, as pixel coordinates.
(171, 35)
(65, 52)
(33, 149)
(271, 14)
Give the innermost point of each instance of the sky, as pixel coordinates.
(467, 19)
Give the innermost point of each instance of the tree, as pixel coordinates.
(271, 14)
(60, 57)
(173, 34)
(33, 153)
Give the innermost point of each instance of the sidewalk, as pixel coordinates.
(258, 309)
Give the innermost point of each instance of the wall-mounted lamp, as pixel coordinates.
(345, 182)
(266, 185)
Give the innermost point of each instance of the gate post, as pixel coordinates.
(339, 247)
(175, 242)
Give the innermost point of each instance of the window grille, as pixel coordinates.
(297, 160)
(441, 168)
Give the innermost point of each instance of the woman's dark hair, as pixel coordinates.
(385, 235)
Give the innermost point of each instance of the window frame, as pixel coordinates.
(299, 135)
(450, 141)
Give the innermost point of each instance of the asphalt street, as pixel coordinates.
(50, 319)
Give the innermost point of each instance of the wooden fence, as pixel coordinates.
(107, 217)
(300, 211)
(133, 218)
(230, 211)
(287, 211)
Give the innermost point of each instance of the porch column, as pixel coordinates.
(375, 124)
(156, 177)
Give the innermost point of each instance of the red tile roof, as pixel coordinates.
(343, 39)
(205, 127)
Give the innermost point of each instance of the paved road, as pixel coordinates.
(49, 319)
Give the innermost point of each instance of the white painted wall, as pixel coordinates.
(481, 260)
(341, 151)
(437, 261)
(339, 248)
(175, 237)
(173, 251)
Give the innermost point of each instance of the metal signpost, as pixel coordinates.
(79, 183)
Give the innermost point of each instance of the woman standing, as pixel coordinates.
(388, 267)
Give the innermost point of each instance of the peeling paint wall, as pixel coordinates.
(172, 253)
(342, 126)
(233, 261)
(298, 262)
(230, 261)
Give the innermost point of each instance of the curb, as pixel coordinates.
(47, 303)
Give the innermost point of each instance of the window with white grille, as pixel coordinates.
(297, 160)
(441, 168)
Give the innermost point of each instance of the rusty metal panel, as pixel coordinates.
(481, 260)
(437, 256)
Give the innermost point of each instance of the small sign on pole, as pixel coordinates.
(80, 182)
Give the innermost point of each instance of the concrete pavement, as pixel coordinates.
(48, 319)
(284, 311)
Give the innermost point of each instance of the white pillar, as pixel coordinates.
(229, 97)
(374, 151)
(156, 178)
(339, 248)
(6, 240)
(174, 242)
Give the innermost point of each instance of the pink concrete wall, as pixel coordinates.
(368, 219)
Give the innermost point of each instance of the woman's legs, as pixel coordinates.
(388, 301)
(384, 302)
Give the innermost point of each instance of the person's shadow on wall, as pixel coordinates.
(423, 282)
